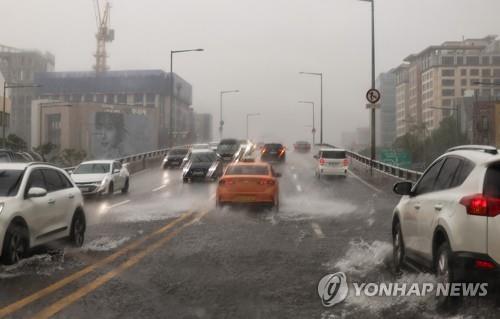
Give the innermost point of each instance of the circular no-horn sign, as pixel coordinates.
(373, 96)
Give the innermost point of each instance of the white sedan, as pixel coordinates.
(101, 177)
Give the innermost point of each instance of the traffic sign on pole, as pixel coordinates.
(373, 96)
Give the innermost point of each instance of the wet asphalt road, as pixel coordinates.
(164, 251)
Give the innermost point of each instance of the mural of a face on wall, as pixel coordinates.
(116, 134)
(108, 135)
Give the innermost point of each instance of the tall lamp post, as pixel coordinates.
(321, 104)
(11, 86)
(314, 121)
(221, 122)
(171, 128)
(248, 116)
(372, 152)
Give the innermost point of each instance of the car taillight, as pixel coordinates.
(282, 151)
(484, 264)
(321, 161)
(480, 205)
(223, 182)
(266, 181)
(263, 150)
(346, 162)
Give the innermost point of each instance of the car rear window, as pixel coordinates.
(273, 146)
(178, 152)
(9, 182)
(492, 181)
(247, 170)
(333, 154)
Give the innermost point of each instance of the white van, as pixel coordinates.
(331, 161)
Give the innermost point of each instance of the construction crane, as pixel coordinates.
(104, 34)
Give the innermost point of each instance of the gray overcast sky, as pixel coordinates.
(257, 46)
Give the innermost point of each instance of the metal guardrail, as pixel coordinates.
(135, 158)
(388, 169)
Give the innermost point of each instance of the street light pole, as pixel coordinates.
(221, 122)
(373, 141)
(11, 86)
(248, 116)
(171, 125)
(320, 74)
(313, 119)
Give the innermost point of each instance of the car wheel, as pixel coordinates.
(398, 247)
(444, 273)
(111, 189)
(16, 244)
(184, 180)
(276, 206)
(77, 232)
(125, 188)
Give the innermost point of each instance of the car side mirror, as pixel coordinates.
(116, 171)
(70, 171)
(37, 192)
(403, 188)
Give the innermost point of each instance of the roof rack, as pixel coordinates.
(482, 148)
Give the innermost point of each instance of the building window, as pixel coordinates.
(5, 119)
(54, 129)
(460, 60)
(484, 123)
(76, 98)
(446, 102)
(447, 82)
(448, 72)
(99, 98)
(447, 60)
(139, 98)
(474, 82)
(496, 72)
(474, 72)
(463, 72)
(496, 60)
(448, 92)
(110, 98)
(497, 92)
(88, 98)
(485, 72)
(463, 82)
(150, 99)
(485, 60)
(122, 99)
(485, 92)
(472, 60)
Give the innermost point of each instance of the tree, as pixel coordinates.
(45, 149)
(70, 157)
(15, 143)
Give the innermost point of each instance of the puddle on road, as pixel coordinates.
(307, 206)
(104, 244)
(41, 265)
(366, 262)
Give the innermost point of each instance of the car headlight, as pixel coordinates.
(1, 207)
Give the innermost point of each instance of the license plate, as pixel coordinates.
(84, 189)
(273, 152)
(334, 164)
(198, 174)
(245, 199)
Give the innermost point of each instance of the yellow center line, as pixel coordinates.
(83, 291)
(79, 274)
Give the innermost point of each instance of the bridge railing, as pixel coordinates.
(385, 168)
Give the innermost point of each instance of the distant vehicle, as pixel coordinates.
(273, 153)
(101, 177)
(203, 146)
(38, 203)
(331, 161)
(229, 149)
(302, 146)
(449, 220)
(249, 183)
(213, 146)
(202, 165)
(174, 157)
(8, 156)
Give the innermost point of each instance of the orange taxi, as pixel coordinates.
(249, 183)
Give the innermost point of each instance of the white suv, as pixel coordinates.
(449, 220)
(38, 204)
(331, 161)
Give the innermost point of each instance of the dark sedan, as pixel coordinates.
(273, 153)
(174, 157)
(202, 165)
